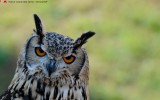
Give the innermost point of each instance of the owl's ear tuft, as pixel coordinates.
(39, 27)
(83, 39)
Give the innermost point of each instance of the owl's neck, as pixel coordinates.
(35, 85)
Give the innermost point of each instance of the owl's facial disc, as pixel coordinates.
(50, 65)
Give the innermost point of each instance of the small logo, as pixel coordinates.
(23, 1)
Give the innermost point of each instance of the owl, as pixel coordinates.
(50, 67)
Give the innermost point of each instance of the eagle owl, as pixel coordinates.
(50, 67)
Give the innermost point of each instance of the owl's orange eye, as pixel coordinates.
(69, 59)
(40, 52)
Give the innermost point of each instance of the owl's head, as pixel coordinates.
(51, 52)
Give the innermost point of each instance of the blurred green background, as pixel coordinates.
(124, 54)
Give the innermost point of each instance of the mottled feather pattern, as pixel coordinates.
(36, 86)
(57, 88)
(51, 77)
(57, 44)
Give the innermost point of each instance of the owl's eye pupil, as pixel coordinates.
(68, 57)
(40, 50)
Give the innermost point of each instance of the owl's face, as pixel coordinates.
(51, 52)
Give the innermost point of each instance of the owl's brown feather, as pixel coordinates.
(68, 81)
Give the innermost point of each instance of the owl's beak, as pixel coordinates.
(51, 66)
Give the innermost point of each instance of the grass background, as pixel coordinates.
(124, 54)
